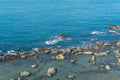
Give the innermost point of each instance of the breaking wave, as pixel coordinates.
(97, 32)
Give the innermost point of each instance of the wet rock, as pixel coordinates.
(68, 50)
(107, 67)
(51, 71)
(11, 79)
(88, 53)
(53, 57)
(46, 51)
(62, 36)
(106, 43)
(118, 43)
(93, 58)
(24, 73)
(56, 51)
(102, 53)
(35, 49)
(85, 48)
(34, 66)
(99, 43)
(60, 57)
(12, 52)
(73, 61)
(9, 57)
(19, 79)
(71, 77)
(23, 56)
(115, 27)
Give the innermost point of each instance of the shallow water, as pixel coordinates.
(30, 23)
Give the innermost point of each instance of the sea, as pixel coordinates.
(27, 24)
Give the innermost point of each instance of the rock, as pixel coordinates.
(62, 36)
(23, 56)
(88, 53)
(24, 73)
(72, 61)
(60, 57)
(47, 51)
(51, 71)
(53, 57)
(93, 62)
(19, 79)
(35, 49)
(11, 79)
(93, 58)
(34, 66)
(9, 57)
(12, 52)
(68, 50)
(99, 43)
(102, 53)
(118, 43)
(56, 51)
(115, 27)
(70, 76)
(106, 43)
(107, 67)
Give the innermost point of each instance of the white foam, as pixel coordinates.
(53, 41)
(112, 31)
(97, 32)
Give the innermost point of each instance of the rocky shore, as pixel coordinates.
(59, 53)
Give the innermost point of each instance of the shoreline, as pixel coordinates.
(105, 56)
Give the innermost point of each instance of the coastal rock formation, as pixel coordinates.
(115, 27)
(51, 71)
(24, 73)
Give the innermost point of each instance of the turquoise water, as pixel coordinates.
(29, 23)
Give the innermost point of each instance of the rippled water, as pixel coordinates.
(29, 23)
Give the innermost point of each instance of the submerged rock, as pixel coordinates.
(51, 71)
(24, 73)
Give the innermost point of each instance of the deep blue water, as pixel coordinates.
(29, 23)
